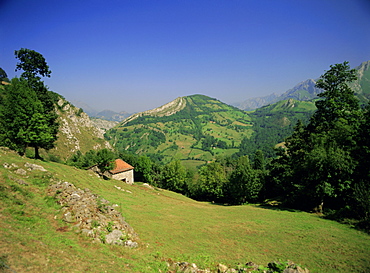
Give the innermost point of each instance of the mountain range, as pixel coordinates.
(307, 90)
(197, 129)
(194, 129)
(105, 114)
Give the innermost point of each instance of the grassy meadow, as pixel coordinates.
(33, 237)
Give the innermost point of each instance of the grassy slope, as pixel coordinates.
(169, 225)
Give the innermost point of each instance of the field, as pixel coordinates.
(33, 237)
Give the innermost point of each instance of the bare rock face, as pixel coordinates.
(92, 215)
(74, 125)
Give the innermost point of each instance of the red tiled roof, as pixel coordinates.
(121, 166)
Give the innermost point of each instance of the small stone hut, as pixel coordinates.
(122, 171)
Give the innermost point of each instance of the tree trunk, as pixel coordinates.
(37, 155)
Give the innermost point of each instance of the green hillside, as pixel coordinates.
(274, 122)
(33, 238)
(203, 128)
(190, 128)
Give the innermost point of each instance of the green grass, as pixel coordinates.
(33, 238)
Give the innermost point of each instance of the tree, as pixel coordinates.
(362, 173)
(105, 160)
(318, 162)
(174, 177)
(3, 75)
(212, 178)
(34, 65)
(22, 122)
(259, 161)
(143, 169)
(244, 185)
(339, 100)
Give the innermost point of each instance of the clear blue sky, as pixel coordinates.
(137, 55)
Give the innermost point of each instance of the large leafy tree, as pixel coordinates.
(174, 177)
(243, 185)
(23, 123)
(212, 178)
(43, 131)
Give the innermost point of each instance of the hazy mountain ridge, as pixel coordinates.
(307, 90)
(105, 114)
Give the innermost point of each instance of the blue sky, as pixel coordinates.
(137, 55)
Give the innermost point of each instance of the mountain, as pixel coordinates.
(105, 114)
(254, 103)
(197, 129)
(274, 122)
(307, 90)
(111, 115)
(86, 108)
(76, 132)
(362, 85)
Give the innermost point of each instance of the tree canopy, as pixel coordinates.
(29, 117)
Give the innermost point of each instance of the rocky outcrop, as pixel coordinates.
(94, 216)
(76, 131)
(167, 109)
(103, 124)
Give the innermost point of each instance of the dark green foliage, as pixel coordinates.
(24, 123)
(28, 115)
(211, 182)
(326, 162)
(144, 170)
(174, 177)
(3, 75)
(259, 161)
(272, 124)
(244, 185)
(105, 160)
(32, 63)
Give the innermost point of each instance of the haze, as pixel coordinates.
(138, 55)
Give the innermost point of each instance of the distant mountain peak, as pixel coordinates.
(307, 90)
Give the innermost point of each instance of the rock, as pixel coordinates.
(295, 269)
(221, 268)
(148, 186)
(20, 171)
(131, 244)
(68, 217)
(19, 181)
(33, 167)
(114, 237)
(87, 232)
